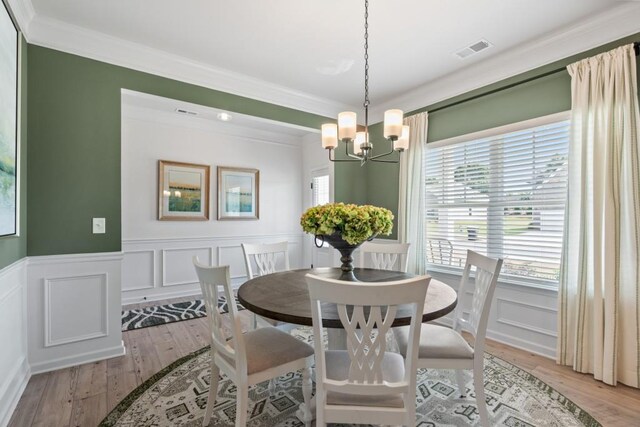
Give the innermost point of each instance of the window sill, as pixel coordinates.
(456, 274)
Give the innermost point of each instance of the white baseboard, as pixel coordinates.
(126, 299)
(12, 389)
(78, 359)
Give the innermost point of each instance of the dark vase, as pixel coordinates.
(346, 250)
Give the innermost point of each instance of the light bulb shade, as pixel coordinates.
(347, 123)
(361, 138)
(329, 135)
(392, 123)
(402, 143)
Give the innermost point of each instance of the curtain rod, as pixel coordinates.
(636, 48)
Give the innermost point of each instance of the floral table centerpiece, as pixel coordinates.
(346, 226)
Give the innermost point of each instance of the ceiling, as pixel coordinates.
(316, 47)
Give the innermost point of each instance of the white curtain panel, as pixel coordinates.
(599, 312)
(411, 198)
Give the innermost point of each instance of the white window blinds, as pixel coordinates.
(320, 190)
(502, 195)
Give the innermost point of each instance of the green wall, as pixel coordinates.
(13, 248)
(74, 144)
(518, 98)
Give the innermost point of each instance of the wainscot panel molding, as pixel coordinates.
(521, 316)
(155, 269)
(74, 315)
(14, 365)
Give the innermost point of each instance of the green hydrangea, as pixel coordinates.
(355, 223)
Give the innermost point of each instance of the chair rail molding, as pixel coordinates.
(15, 371)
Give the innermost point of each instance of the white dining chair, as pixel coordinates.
(366, 384)
(445, 348)
(251, 358)
(266, 257)
(385, 256)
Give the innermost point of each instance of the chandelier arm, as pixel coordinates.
(340, 160)
(346, 151)
(384, 161)
(383, 154)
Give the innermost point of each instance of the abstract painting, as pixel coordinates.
(8, 124)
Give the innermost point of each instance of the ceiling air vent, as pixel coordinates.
(476, 47)
(187, 112)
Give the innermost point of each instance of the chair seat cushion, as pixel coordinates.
(436, 342)
(337, 363)
(270, 347)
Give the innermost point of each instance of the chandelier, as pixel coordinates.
(346, 130)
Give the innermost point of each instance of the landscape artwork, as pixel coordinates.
(238, 193)
(183, 191)
(8, 122)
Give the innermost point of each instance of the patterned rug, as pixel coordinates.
(169, 313)
(176, 396)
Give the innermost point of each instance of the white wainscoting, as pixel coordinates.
(74, 309)
(14, 364)
(155, 269)
(524, 317)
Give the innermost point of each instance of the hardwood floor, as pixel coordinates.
(83, 395)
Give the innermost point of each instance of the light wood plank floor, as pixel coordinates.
(84, 395)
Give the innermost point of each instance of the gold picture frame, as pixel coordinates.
(183, 191)
(238, 193)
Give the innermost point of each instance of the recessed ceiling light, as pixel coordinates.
(225, 117)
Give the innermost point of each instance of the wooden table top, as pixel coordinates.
(284, 296)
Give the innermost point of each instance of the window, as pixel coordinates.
(320, 190)
(501, 193)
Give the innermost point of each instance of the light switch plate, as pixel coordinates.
(99, 226)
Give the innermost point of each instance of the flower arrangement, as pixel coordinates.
(354, 223)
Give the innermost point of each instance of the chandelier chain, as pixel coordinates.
(366, 64)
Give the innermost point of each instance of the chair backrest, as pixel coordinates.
(210, 278)
(371, 309)
(265, 257)
(386, 256)
(486, 275)
(439, 251)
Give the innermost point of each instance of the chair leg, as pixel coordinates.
(213, 391)
(478, 384)
(306, 394)
(242, 405)
(460, 380)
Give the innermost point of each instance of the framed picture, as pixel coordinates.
(8, 124)
(183, 191)
(238, 193)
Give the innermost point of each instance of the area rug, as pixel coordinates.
(169, 313)
(177, 395)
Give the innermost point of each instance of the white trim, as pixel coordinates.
(164, 252)
(75, 258)
(154, 277)
(244, 132)
(23, 12)
(48, 281)
(54, 34)
(16, 383)
(130, 299)
(77, 359)
(616, 22)
(501, 130)
(160, 240)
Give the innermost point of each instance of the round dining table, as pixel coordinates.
(284, 297)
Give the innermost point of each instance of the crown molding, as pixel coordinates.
(166, 118)
(23, 12)
(54, 34)
(615, 23)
